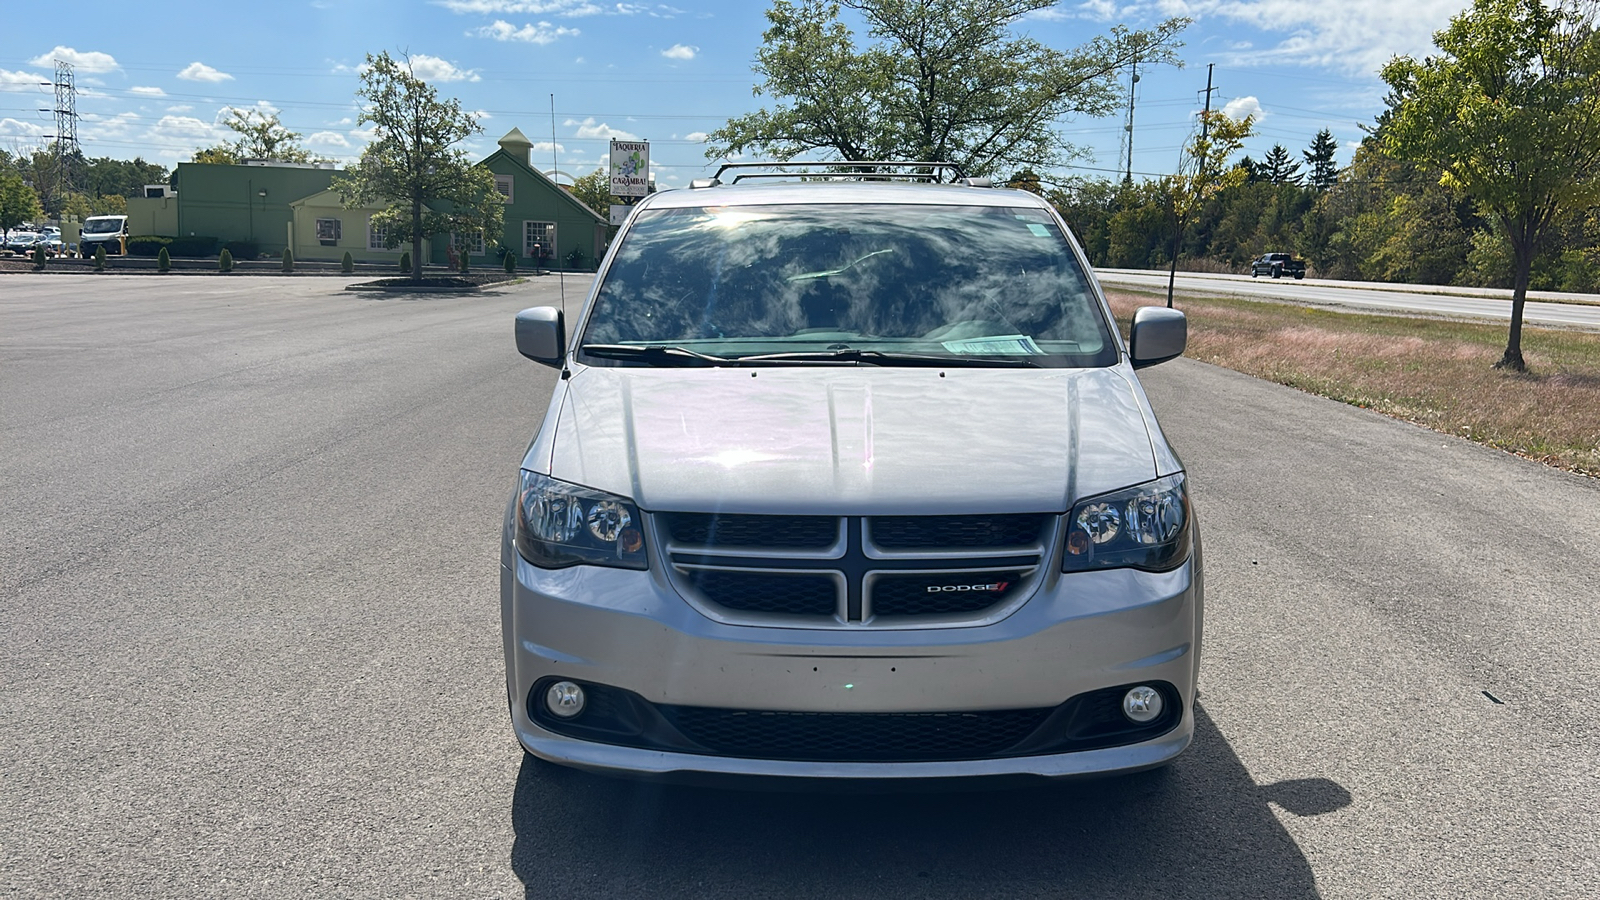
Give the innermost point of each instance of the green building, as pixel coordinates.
(288, 205)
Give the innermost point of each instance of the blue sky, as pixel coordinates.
(157, 83)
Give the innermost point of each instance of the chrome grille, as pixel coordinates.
(824, 571)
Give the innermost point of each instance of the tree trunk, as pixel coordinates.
(1172, 268)
(416, 238)
(1522, 253)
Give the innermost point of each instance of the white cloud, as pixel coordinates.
(114, 127)
(12, 128)
(181, 107)
(198, 71)
(542, 33)
(546, 147)
(82, 60)
(17, 81)
(696, 136)
(147, 91)
(1239, 107)
(680, 51)
(588, 129)
(432, 68)
(331, 139)
(185, 127)
(480, 115)
(1355, 36)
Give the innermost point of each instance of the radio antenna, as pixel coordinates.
(555, 169)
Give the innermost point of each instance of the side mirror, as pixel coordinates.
(542, 335)
(1158, 334)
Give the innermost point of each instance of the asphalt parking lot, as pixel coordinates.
(249, 615)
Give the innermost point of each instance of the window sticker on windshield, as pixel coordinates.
(1039, 230)
(1014, 344)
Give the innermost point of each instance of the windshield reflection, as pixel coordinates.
(942, 280)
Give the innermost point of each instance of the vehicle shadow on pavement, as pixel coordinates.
(1201, 828)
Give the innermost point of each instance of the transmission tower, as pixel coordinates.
(66, 135)
(1125, 151)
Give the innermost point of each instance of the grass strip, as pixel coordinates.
(1437, 373)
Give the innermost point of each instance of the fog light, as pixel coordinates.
(1142, 704)
(565, 699)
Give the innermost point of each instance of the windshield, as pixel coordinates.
(823, 280)
(101, 226)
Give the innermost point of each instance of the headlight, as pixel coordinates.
(560, 524)
(1144, 527)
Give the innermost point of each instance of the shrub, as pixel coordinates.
(193, 247)
(463, 261)
(163, 261)
(574, 258)
(405, 262)
(288, 260)
(100, 258)
(38, 258)
(511, 263)
(225, 261)
(148, 244)
(243, 249)
(348, 264)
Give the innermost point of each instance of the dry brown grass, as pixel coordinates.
(1432, 372)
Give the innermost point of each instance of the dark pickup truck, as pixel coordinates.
(1278, 265)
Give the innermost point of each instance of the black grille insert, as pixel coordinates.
(797, 594)
(774, 532)
(855, 737)
(957, 532)
(941, 593)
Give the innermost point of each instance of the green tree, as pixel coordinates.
(1324, 171)
(942, 80)
(1509, 113)
(1279, 168)
(413, 163)
(1202, 173)
(594, 191)
(18, 202)
(220, 155)
(73, 203)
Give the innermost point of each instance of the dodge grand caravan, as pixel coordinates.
(850, 478)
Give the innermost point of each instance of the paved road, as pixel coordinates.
(249, 631)
(1488, 304)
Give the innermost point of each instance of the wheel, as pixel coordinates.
(1299, 275)
(1253, 272)
(1277, 272)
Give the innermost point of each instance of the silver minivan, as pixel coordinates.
(850, 478)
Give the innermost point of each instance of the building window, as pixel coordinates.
(377, 236)
(506, 186)
(539, 239)
(329, 231)
(472, 243)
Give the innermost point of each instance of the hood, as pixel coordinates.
(851, 440)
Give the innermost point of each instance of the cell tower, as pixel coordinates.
(1125, 151)
(66, 135)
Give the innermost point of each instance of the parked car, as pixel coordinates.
(110, 232)
(21, 241)
(51, 242)
(847, 479)
(1278, 265)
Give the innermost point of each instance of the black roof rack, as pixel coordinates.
(850, 169)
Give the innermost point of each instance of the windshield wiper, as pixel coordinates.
(657, 354)
(887, 358)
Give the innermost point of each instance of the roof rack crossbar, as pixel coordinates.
(841, 168)
(884, 176)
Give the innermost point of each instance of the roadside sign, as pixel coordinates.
(630, 168)
(619, 213)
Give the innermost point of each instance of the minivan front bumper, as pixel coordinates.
(631, 631)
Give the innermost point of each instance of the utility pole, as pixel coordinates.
(66, 110)
(1177, 220)
(1127, 140)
